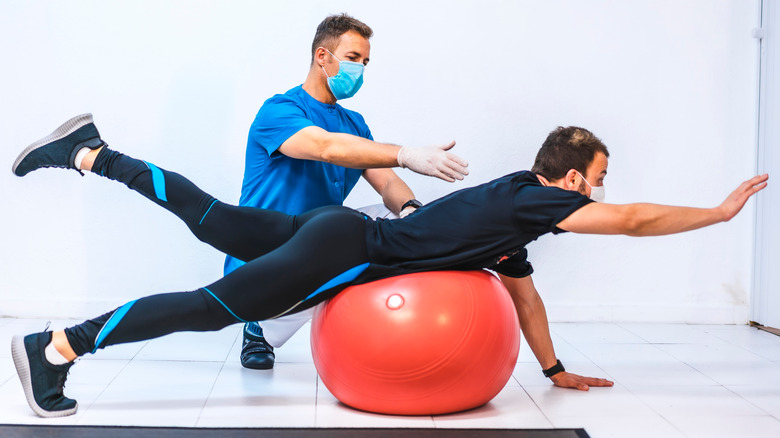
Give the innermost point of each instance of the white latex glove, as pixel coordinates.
(434, 161)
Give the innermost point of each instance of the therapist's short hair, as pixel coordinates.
(333, 27)
(567, 148)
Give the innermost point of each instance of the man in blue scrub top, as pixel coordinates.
(306, 151)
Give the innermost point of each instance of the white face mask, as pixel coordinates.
(598, 194)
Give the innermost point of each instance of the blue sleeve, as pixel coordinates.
(366, 133)
(357, 124)
(278, 119)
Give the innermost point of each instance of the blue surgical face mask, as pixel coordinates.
(347, 81)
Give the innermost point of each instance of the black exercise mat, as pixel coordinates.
(35, 431)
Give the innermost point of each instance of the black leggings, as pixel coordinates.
(292, 262)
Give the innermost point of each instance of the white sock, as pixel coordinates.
(54, 356)
(80, 156)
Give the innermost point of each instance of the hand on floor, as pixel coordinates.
(570, 380)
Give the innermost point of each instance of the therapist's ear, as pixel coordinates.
(319, 56)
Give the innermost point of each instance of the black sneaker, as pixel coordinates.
(59, 148)
(42, 381)
(256, 352)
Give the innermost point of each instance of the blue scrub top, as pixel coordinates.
(275, 181)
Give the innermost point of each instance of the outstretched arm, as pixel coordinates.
(315, 143)
(657, 220)
(536, 330)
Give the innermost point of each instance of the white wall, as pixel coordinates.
(668, 85)
(766, 290)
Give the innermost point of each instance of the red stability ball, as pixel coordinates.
(417, 344)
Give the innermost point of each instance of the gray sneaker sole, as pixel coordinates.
(63, 131)
(19, 354)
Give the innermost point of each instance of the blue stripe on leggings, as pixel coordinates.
(207, 212)
(158, 179)
(344, 277)
(109, 326)
(224, 305)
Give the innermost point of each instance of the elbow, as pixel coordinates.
(634, 231)
(329, 156)
(327, 151)
(632, 222)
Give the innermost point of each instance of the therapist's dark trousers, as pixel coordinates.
(292, 262)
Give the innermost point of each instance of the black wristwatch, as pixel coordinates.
(553, 370)
(411, 203)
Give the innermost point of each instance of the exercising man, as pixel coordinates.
(294, 262)
(306, 151)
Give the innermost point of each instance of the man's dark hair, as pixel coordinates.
(333, 27)
(567, 148)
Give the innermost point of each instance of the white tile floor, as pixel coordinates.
(671, 381)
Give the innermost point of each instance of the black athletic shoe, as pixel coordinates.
(59, 148)
(41, 380)
(257, 355)
(256, 352)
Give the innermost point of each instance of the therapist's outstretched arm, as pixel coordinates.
(314, 143)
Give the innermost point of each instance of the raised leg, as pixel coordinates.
(242, 232)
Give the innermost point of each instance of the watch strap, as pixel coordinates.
(553, 370)
(412, 203)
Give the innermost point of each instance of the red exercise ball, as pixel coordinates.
(417, 344)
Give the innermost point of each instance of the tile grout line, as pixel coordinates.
(214, 384)
(676, 359)
(105, 387)
(669, 421)
(102, 391)
(208, 396)
(741, 346)
(646, 342)
(573, 346)
(659, 414)
(536, 404)
(749, 402)
(316, 397)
